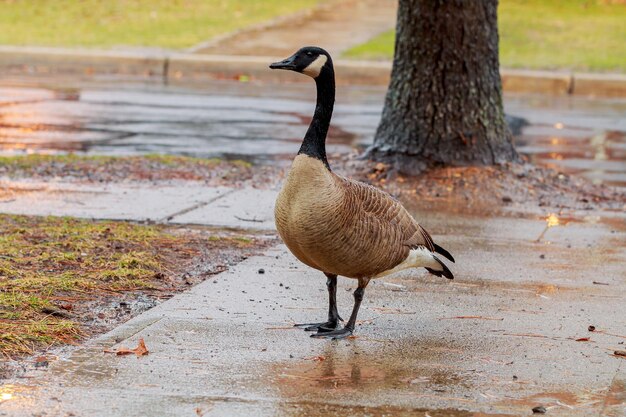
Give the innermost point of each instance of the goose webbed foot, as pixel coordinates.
(333, 315)
(327, 326)
(334, 334)
(348, 329)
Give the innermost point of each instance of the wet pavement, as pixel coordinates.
(263, 123)
(508, 334)
(178, 202)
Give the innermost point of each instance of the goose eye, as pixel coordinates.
(309, 53)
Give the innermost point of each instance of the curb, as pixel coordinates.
(185, 68)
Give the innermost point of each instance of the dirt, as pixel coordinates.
(490, 188)
(98, 169)
(478, 188)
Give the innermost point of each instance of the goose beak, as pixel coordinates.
(286, 64)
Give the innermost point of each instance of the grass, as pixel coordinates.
(49, 265)
(550, 34)
(113, 168)
(155, 23)
(53, 270)
(380, 47)
(31, 161)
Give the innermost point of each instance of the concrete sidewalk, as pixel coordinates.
(498, 340)
(191, 203)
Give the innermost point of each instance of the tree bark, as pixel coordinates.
(444, 102)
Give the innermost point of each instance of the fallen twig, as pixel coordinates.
(281, 328)
(526, 335)
(470, 317)
(248, 220)
(386, 310)
(594, 330)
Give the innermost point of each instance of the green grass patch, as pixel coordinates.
(155, 23)
(48, 263)
(379, 48)
(552, 34)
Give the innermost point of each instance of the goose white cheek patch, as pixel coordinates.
(315, 67)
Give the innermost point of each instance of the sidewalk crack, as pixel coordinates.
(195, 207)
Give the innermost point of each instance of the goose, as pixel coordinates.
(340, 226)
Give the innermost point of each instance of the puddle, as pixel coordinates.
(616, 395)
(369, 367)
(598, 155)
(562, 401)
(15, 396)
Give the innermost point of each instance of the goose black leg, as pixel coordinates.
(333, 315)
(349, 327)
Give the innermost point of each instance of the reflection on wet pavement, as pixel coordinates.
(265, 124)
(428, 367)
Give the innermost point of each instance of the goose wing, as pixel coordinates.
(375, 232)
(384, 212)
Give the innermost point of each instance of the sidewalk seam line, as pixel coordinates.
(100, 341)
(195, 207)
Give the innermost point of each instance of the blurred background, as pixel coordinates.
(189, 77)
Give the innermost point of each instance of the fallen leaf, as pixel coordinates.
(41, 362)
(582, 339)
(140, 350)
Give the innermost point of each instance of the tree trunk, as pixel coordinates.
(444, 103)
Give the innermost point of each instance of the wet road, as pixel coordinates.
(265, 123)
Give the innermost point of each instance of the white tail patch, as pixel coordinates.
(419, 257)
(315, 67)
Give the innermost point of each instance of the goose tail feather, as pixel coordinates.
(443, 252)
(445, 272)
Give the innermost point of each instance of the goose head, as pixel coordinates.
(310, 60)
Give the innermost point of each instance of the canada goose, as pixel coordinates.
(341, 226)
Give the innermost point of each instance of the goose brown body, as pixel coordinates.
(341, 226)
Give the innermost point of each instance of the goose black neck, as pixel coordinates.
(314, 143)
